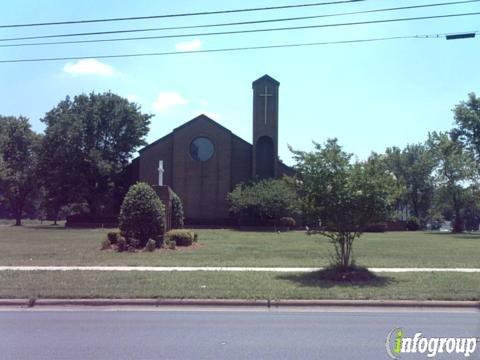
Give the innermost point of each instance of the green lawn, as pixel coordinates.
(36, 244)
(423, 286)
(48, 245)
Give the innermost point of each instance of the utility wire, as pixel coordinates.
(424, 36)
(240, 22)
(243, 31)
(182, 14)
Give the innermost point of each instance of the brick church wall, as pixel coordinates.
(202, 186)
(241, 165)
(149, 156)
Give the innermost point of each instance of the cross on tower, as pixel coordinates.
(266, 95)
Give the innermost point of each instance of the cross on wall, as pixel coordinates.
(160, 172)
(266, 95)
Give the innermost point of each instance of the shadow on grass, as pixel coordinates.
(464, 235)
(46, 227)
(333, 277)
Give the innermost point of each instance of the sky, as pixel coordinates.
(369, 95)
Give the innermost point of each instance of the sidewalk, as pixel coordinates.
(220, 269)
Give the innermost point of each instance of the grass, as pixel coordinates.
(40, 244)
(37, 244)
(422, 286)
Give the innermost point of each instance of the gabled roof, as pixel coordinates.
(266, 78)
(188, 123)
(155, 142)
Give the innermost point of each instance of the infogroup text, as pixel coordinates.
(397, 344)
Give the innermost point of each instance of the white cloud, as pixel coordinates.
(189, 45)
(167, 100)
(88, 67)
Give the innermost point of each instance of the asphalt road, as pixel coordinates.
(220, 334)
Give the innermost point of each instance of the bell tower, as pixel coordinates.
(265, 127)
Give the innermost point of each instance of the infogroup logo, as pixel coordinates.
(397, 344)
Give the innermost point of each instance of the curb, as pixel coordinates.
(238, 303)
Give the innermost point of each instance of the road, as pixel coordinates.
(178, 333)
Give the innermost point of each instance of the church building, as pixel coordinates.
(202, 161)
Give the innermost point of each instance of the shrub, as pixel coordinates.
(375, 227)
(134, 243)
(91, 220)
(142, 214)
(177, 212)
(413, 224)
(113, 236)
(105, 244)
(181, 237)
(287, 222)
(259, 203)
(121, 244)
(159, 241)
(151, 245)
(172, 245)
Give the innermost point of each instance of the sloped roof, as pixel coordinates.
(189, 123)
(267, 78)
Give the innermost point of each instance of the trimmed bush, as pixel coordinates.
(121, 244)
(181, 237)
(134, 243)
(151, 245)
(177, 212)
(159, 241)
(113, 236)
(287, 222)
(142, 215)
(91, 220)
(413, 224)
(375, 227)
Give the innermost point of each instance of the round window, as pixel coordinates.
(202, 149)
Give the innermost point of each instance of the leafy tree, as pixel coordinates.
(18, 161)
(467, 119)
(88, 141)
(264, 200)
(142, 215)
(345, 196)
(413, 167)
(455, 168)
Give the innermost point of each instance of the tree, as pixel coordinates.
(18, 161)
(142, 215)
(88, 141)
(413, 167)
(263, 201)
(344, 196)
(455, 168)
(467, 119)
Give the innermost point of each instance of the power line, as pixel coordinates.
(424, 36)
(240, 22)
(182, 14)
(244, 31)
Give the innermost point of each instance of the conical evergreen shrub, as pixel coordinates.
(142, 215)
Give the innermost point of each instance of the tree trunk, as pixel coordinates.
(457, 224)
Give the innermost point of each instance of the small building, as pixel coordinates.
(202, 161)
